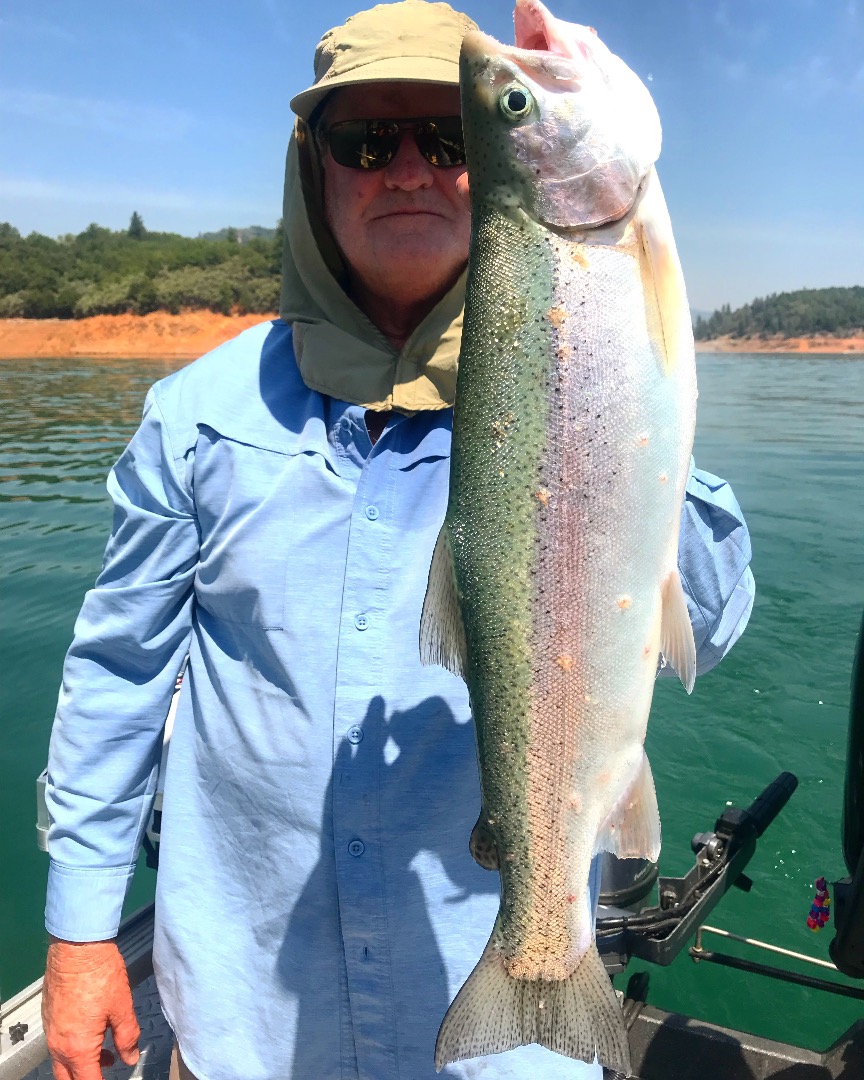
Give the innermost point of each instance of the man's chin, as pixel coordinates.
(409, 257)
(413, 275)
(405, 244)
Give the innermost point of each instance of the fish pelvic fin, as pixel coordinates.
(442, 631)
(578, 1017)
(632, 830)
(484, 850)
(676, 631)
(658, 245)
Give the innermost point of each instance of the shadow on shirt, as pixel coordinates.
(409, 791)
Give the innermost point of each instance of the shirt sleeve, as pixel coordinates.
(714, 564)
(130, 640)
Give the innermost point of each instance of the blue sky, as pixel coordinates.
(180, 110)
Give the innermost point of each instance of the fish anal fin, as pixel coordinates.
(577, 1017)
(632, 830)
(676, 631)
(442, 631)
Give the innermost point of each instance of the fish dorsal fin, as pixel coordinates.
(676, 631)
(442, 631)
(632, 830)
(658, 244)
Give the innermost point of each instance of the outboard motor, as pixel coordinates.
(624, 883)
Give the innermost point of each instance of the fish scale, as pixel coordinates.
(492, 515)
(554, 581)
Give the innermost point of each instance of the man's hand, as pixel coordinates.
(86, 991)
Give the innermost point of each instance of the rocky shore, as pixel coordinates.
(192, 333)
(811, 344)
(156, 335)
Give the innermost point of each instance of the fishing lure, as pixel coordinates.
(820, 909)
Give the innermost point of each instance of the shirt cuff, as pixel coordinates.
(85, 905)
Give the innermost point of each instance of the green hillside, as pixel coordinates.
(134, 271)
(837, 311)
(102, 272)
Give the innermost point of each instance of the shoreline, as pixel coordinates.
(812, 344)
(157, 335)
(160, 335)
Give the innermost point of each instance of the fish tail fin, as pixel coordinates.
(578, 1017)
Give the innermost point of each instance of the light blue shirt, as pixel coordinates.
(317, 907)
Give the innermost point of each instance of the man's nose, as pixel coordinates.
(409, 170)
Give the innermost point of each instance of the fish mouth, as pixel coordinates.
(537, 31)
(480, 49)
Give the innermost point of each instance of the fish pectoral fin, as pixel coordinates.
(577, 1017)
(632, 830)
(482, 845)
(676, 631)
(442, 631)
(665, 272)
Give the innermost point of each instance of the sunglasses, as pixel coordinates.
(372, 144)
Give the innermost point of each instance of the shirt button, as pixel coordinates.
(372, 513)
(356, 848)
(355, 734)
(361, 622)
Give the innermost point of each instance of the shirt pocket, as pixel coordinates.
(249, 500)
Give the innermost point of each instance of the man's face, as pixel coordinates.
(403, 229)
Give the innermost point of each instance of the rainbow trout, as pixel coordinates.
(554, 584)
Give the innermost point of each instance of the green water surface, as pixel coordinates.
(786, 431)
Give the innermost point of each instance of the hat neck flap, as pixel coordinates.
(339, 351)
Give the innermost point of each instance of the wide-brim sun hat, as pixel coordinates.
(409, 41)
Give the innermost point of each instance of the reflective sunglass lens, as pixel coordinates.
(372, 144)
(361, 144)
(441, 142)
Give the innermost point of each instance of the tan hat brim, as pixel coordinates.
(429, 69)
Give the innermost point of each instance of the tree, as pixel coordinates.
(136, 230)
(277, 242)
(838, 311)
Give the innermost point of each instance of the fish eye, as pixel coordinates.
(515, 103)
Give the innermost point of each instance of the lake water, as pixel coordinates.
(786, 431)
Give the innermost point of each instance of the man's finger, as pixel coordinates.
(77, 1070)
(90, 1071)
(60, 1071)
(462, 186)
(126, 1032)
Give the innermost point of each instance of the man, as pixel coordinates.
(275, 518)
